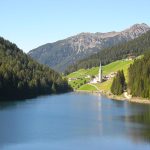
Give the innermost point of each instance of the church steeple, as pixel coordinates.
(100, 73)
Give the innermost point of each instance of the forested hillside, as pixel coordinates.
(22, 77)
(139, 77)
(132, 48)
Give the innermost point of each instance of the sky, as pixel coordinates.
(31, 23)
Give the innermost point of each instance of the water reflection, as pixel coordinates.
(73, 117)
(140, 131)
(4, 105)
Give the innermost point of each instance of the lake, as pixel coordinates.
(74, 121)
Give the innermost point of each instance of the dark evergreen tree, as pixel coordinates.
(118, 84)
(139, 77)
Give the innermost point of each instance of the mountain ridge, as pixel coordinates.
(125, 50)
(82, 45)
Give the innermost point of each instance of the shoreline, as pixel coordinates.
(138, 100)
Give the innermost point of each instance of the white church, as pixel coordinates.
(98, 78)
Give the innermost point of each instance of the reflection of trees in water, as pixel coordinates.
(8, 104)
(95, 116)
(139, 135)
(124, 118)
(140, 131)
(4, 105)
(141, 118)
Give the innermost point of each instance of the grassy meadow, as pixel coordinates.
(82, 82)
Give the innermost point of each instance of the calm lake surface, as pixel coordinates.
(74, 122)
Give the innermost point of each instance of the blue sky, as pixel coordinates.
(31, 23)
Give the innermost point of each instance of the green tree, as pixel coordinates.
(118, 84)
(139, 77)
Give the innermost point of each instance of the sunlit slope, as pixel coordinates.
(81, 82)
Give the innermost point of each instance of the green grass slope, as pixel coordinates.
(82, 82)
(87, 87)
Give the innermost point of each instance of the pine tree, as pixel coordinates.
(118, 84)
(139, 77)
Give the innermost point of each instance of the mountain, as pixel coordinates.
(22, 77)
(59, 55)
(125, 50)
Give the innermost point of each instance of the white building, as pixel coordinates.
(98, 79)
(100, 73)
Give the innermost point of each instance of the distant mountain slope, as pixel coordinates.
(134, 47)
(61, 54)
(22, 77)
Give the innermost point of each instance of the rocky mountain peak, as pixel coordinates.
(142, 25)
(86, 40)
(83, 45)
(136, 30)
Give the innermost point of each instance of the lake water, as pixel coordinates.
(74, 122)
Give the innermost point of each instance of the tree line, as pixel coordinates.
(22, 77)
(139, 77)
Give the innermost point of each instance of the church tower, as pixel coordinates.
(100, 73)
